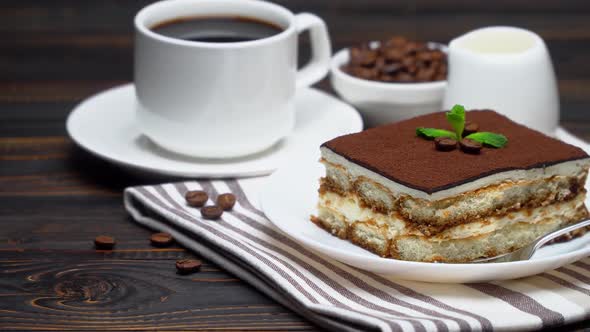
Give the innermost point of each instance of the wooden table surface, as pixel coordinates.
(55, 198)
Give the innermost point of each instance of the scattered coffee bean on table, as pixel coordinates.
(196, 198)
(470, 146)
(445, 144)
(161, 239)
(226, 201)
(104, 242)
(211, 212)
(186, 266)
(397, 60)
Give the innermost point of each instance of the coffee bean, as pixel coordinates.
(380, 63)
(211, 212)
(104, 242)
(425, 75)
(423, 64)
(437, 55)
(369, 58)
(356, 55)
(186, 266)
(161, 239)
(404, 77)
(445, 144)
(470, 146)
(412, 48)
(349, 69)
(435, 65)
(470, 128)
(394, 54)
(440, 77)
(196, 198)
(408, 62)
(386, 78)
(363, 56)
(391, 69)
(424, 56)
(365, 73)
(226, 201)
(442, 69)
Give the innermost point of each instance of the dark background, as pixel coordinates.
(54, 198)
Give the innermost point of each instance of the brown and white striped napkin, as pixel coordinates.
(343, 298)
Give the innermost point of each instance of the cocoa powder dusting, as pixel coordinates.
(395, 151)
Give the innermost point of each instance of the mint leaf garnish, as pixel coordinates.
(434, 133)
(456, 117)
(492, 139)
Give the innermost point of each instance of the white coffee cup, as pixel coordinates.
(218, 100)
(508, 70)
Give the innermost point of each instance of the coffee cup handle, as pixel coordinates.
(321, 49)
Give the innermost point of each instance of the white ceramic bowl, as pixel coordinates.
(385, 102)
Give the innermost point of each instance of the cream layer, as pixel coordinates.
(350, 209)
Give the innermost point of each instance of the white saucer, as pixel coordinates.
(291, 210)
(104, 125)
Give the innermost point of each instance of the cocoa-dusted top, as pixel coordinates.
(395, 151)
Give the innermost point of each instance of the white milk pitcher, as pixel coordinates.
(508, 70)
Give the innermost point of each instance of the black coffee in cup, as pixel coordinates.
(217, 29)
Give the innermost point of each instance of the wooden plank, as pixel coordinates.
(45, 291)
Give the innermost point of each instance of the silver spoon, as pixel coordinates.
(527, 252)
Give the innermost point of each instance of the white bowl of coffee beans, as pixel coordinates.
(391, 80)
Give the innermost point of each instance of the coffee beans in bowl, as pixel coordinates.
(397, 60)
(391, 80)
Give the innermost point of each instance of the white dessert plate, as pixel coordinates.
(105, 126)
(290, 212)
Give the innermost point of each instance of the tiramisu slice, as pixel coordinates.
(400, 195)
